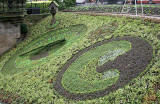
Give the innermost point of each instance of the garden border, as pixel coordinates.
(145, 18)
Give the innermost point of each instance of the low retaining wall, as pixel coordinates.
(9, 34)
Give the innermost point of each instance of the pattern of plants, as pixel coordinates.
(35, 82)
(147, 9)
(22, 58)
(104, 30)
(82, 77)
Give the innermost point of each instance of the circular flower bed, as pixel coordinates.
(103, 67)
(107, 60)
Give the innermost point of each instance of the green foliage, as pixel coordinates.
(104, 30)
(147, 9)
(54, 25)
(34, 19)
(54, 35)
(24, 29)
(81, 76)
(34, 83)
(66, 4)
(42, 5)
(16, 1)
(22, 57)
(38, 50)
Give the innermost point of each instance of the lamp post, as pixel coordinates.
(142, 6)
(128, 7)
(136, 7)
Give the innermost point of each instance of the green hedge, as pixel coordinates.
(147, 9)
(66, 3)
(42, 5)
(24, 29)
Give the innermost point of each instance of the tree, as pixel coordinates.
(65, 3)
(12, 3)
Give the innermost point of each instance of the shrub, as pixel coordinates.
(42, 5)
(65, 4)
(24, 30)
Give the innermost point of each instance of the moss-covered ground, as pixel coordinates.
(23, 80)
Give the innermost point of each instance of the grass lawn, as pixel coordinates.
(23, 80)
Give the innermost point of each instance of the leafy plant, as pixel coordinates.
(66, 3)
(35, 82)
(81, 77)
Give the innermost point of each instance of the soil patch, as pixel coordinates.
(39, 56)
(158, 37)
(130, 65)
(9, 98)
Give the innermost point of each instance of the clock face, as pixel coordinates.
(41, 47)
(103, 67)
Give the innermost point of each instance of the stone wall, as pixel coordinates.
(9, 34)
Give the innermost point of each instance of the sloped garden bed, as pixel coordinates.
(103, 59)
